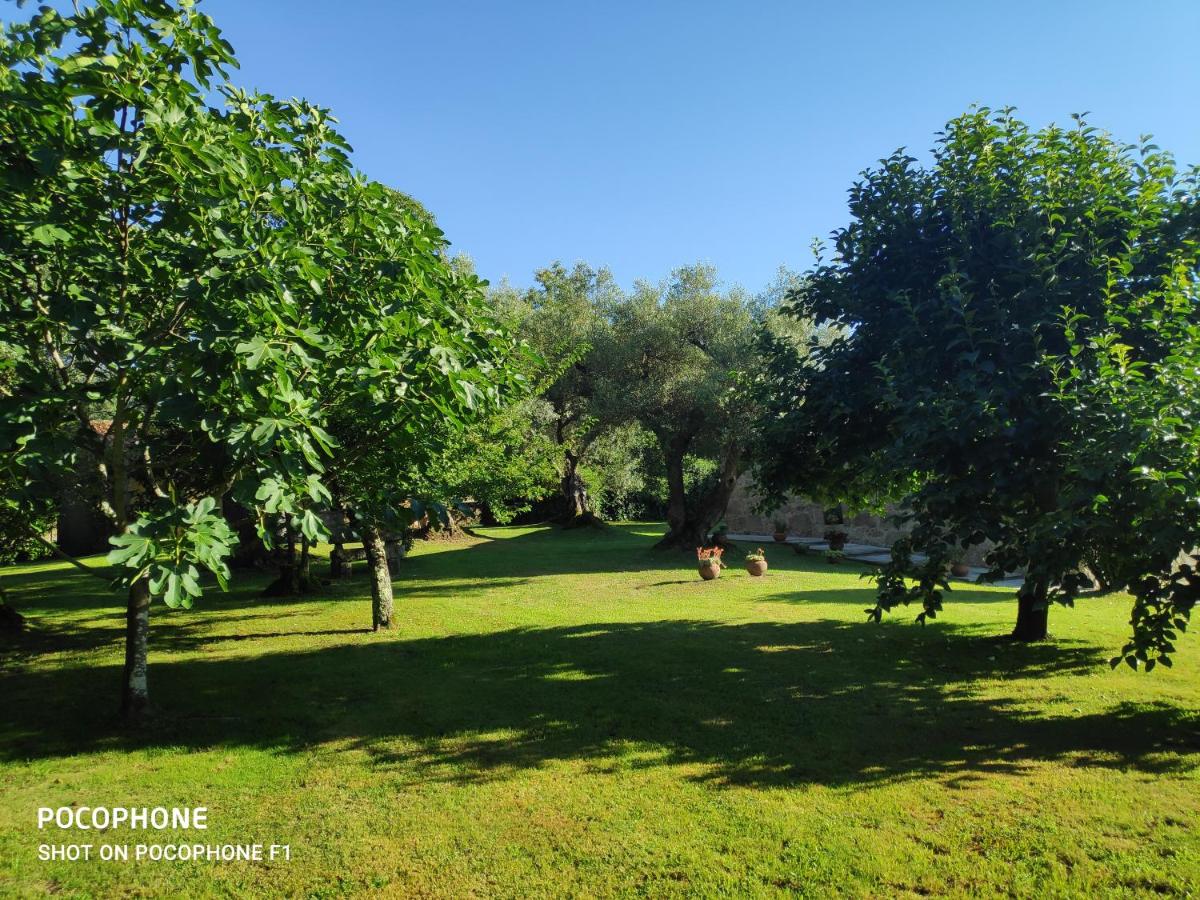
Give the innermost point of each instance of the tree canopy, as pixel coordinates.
(681, 349)
(173, 269)
(1016, 325)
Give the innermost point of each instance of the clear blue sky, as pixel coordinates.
(644, 135)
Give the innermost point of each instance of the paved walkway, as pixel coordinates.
(865, 553)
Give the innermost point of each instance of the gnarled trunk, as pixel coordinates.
(689, 526)
(382, 604)
(395, 553)
(577, 505)
(1033, 613)
(135, 692)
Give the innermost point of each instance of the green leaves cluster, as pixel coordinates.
(202, 301)
(1014, 364)
(167, 544)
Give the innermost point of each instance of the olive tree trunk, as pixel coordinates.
(688, 525)
(577, 505)
(381, 579)
(135, 692)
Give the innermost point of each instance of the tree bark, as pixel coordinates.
(577, 505)
(1033, 613)
(690, 527)
(304, 570)
(381, 580)
(339, 562)
(135, 693)
(676, 494)
(395, 553)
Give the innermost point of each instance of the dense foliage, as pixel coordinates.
(564, 316)
(679, 353)
(1015, 364)
(179, 281)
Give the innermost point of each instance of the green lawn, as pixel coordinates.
(573, 713)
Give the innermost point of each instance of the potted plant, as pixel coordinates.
(836, 539)
(800, 548)
(960, 569)
(756, 562)
(834, 556)
(709, 562)
(781, 530)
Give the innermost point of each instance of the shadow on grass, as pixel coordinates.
(756, 704)
(503, 559)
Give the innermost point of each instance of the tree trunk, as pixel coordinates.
(1033, 613)
(689, 528)
(395, 553)
(577, 505)
(304, 570)
(676, 496)
(249, 551)
(135, 694)
(381, 579)
(339, 562)
(288, 584)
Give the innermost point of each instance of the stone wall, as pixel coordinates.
(807, 519)
(804, 518)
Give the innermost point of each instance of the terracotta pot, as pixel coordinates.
(708, 573)
(756, 567)
(960, 570)
(780, 536)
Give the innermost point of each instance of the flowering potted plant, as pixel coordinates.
(834, 556)
(756, 562)
(710, 562)
(781, 530)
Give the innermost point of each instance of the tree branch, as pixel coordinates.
(63, 555)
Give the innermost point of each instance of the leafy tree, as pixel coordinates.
(677, 350)
(168, 267)
(1131, 499)
(1017, 326)
(564, 319)
(123, 232)
(507, 463)
(435, 362)
(620, 474)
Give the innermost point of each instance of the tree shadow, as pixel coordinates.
(749, 703)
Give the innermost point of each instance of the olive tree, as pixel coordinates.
(1016, 321)
(564, 318)
(680, 353)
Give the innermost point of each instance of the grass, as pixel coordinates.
(574, 713)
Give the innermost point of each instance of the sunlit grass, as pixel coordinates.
(573, 712)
